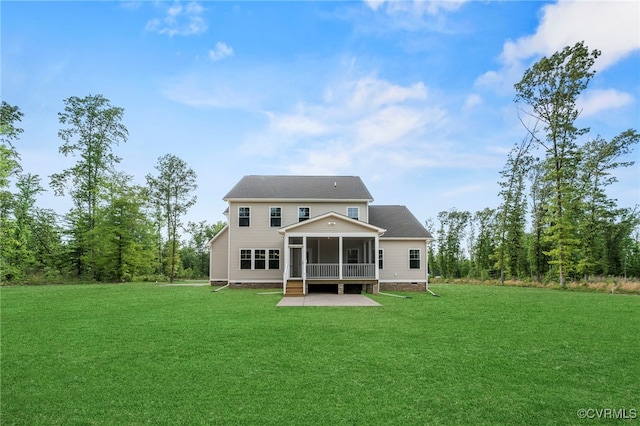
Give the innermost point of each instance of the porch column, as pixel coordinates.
(340, 257)
(376, 257)
(287, 259)
(304, 259)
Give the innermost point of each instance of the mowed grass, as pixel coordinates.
(146, 354)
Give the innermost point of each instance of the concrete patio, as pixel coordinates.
(326, 299)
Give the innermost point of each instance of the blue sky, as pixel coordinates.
(415, 97)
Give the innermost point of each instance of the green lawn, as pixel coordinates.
(142, 353)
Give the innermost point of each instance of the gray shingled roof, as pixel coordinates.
(398, 221)
(300, 187)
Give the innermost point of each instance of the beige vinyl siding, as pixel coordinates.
(260, 235)
(219, 259)
(332, 225)
(290, 210)
(396, 260)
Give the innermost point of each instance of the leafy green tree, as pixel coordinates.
(450, 237)
(93, 127)
(171, 192)
(597, 226)
(511, 253)
(123, 232)
(195, 254)
(10, 116)
(550, 88)
(434, 270)
(485, 243)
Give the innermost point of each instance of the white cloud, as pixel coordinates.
(609, 26)
(179, 20)
(595, 101)
(296, 124)
(415, 7)
(220, 51)
(473, 100)
(361, 123)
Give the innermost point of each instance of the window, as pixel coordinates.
(353, 212)
(244, 216)
(295, 241)
(380, 259)
(275, 217)
(274, 259)
(353, 255)
(414, 259)
(257, 259)
(245, 259)
(260, 259)
(303, 213)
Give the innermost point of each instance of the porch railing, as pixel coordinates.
(331, 270)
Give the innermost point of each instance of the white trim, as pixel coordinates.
(215, 237)
(332, 234)
(353, 207)
(238, 222)
(409, 259)
(298, 200)
(253, 259)
(287, 229)
(298, 215)
(269, 223)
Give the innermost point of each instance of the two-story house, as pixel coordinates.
(316, 233)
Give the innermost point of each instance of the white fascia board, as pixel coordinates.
(297, 200)
(373, 228)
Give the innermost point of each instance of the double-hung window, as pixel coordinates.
(257, 259)
(245, 259)
(303, 213)
(274, 259)
(244, 216)
(414, 259)
(353, 212)
(260, 259)
(275, 217)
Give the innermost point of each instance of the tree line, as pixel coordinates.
(555, 221)
(116, 230)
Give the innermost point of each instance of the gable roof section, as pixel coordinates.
(398, 221)
(218, 235)
(332, 217)
(300, 188)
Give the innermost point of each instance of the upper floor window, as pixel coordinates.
(244, 216)
(414, 259)
(275, 217)
(303, 213)
(353, 212)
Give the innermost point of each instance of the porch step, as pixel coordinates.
(294, 289)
